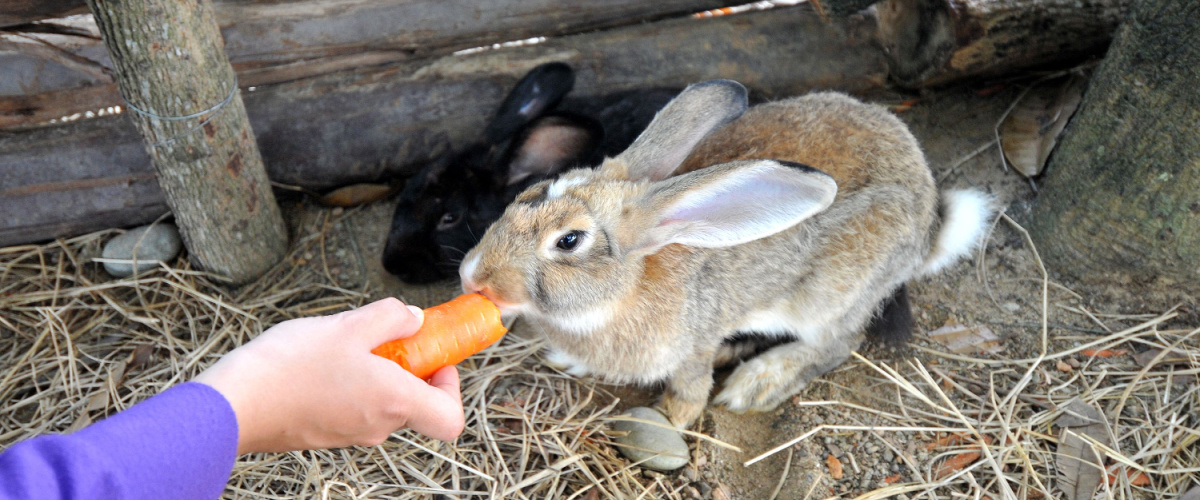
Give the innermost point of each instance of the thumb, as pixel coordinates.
(386, 320)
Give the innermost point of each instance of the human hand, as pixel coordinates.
(313, 383)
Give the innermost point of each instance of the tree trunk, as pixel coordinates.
(170, 65)
(935, 41)
(1121, 199)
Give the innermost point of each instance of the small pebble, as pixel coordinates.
(721, 492)
(689, 473)
(1011, 306)
(834, 449)
(888, 455)
(160, 243)
(662, 448)
(652, 474)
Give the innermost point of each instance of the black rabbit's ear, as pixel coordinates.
(540, 89)
(553, 144)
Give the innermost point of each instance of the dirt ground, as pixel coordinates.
(1002, 292)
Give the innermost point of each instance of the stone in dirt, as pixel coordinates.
(155, 242)
(662, 447)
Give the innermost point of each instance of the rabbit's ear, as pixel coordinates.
(730, 204)
(541, 89)
(676, 129)
(553, 144)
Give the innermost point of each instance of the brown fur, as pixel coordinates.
(665, 311)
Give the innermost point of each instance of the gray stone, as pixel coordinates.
(157, 242)
(662, 448)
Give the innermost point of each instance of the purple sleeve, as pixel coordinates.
(179, 444)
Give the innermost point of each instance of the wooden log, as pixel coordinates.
(381, 123)
(16, 12)
(106, 182)
(1120, 204)
(284, 40)
(172, 70)
(931, 42)
(839, 9)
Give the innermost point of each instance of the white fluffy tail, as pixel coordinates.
(965, 215)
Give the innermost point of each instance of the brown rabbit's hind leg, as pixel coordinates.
(763, 382)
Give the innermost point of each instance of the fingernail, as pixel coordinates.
(416, 311)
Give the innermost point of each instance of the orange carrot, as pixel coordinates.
(451, 333)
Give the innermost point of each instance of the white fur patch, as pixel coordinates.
(558, 187)
(466, 271)
(964, 219)
(584, 322)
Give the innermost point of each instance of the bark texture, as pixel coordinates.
(1121, 199)
(273, 41)
(169, 62)
(838, 9)
(381, 123)
(935, 41)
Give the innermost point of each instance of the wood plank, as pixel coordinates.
(284, 40)
(381, 123)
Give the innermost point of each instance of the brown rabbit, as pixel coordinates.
(796, 220)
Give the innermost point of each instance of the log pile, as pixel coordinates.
(341, 92)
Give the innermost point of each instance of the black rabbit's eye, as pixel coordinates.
(448, 219)
(570, 240)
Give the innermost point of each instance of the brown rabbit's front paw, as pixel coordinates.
(681, 413)
(561, 361)
(760, 384)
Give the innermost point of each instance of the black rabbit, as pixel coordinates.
(535, 134)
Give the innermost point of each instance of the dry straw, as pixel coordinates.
(79, 345)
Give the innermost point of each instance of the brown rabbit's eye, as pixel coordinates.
(570, 240)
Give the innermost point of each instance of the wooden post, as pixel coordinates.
(1121, 198)
(183, 97)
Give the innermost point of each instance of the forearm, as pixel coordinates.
(180, 444)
